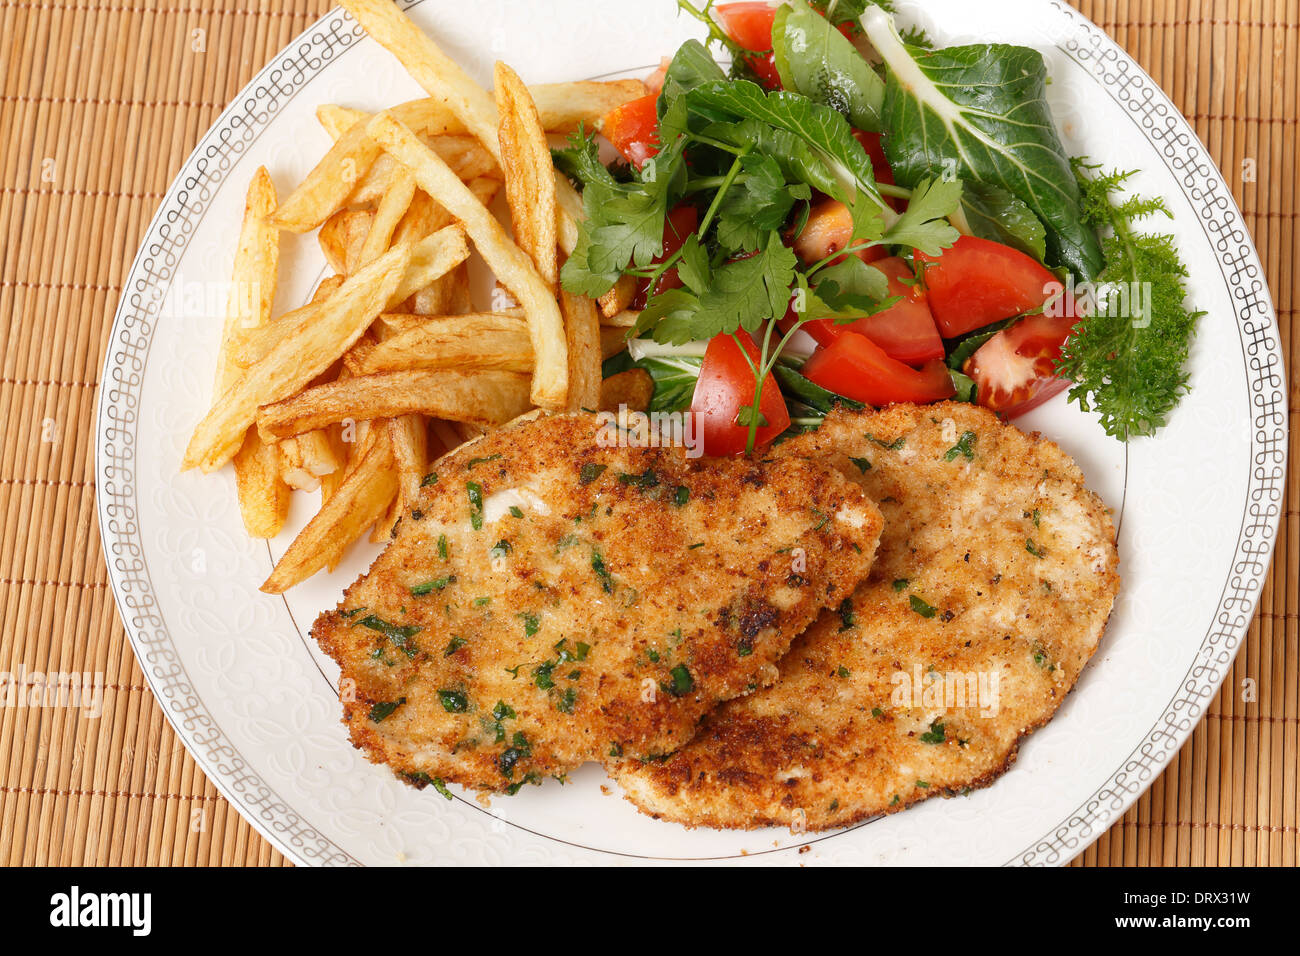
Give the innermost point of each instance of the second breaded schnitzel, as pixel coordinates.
(552, 600)
(994, 579)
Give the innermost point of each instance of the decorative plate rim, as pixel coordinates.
(251, 113)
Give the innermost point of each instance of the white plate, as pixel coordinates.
(254, 700)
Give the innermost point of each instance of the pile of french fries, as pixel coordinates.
(388, 367)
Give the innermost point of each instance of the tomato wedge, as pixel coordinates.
(906, 330)
(1014, 371)
(633, 128)
(884, 173)
(750, 26)
(680, 223)
(978, 282)
(725, 386)
(858, 368)
(828, 230)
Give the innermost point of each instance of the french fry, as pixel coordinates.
(483, 398)
(511, 266)
(623, 320)
(633, 388)
(307, 458)
(355, 357)
(333, 179)
(296, 359)
(582, 334)
(464, 154)
(263, 497)
(254, 277)
(449, 295)
(564, 107)
(392, 207)
(359, 501)
(526, 162)
(409, 439)
(431, 259)
(440, 76)
(612, 341)
(618, 298)
(487, 340)
(342, 237)
(328, 286)
(445, 81)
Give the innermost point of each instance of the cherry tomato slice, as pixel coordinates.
(977, 282)
(725, 386)
(856, 367)
(633, 128)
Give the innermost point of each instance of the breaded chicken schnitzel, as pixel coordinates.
(993, 582)
(551, 600)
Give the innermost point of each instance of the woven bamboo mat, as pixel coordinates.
(102, 100)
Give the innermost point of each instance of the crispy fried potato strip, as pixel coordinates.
(445, 81)
(633, 389)
(481, 398)
(526, 162)
(564, 107)
(296, 359)
(618, 298)
(484, 340)
(510, 265)
(263, 497)
(582, 332)
(431, 259)
(359, 501)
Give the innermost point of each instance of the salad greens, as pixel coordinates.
(970, 139)
(1130, 367)
(981, 112)
(815, 59)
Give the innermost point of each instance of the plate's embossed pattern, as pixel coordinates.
(1130, 86)
(459, 832)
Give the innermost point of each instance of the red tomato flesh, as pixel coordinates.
(725, 386)
(750, 25)
(1014, 371)
(858, 368)
(977, 282)
(633, 128)
(906, 330)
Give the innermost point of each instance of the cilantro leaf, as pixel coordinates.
(925, 224)
(761, 204)
(747, 292)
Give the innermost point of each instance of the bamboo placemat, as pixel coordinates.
(102, 101)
